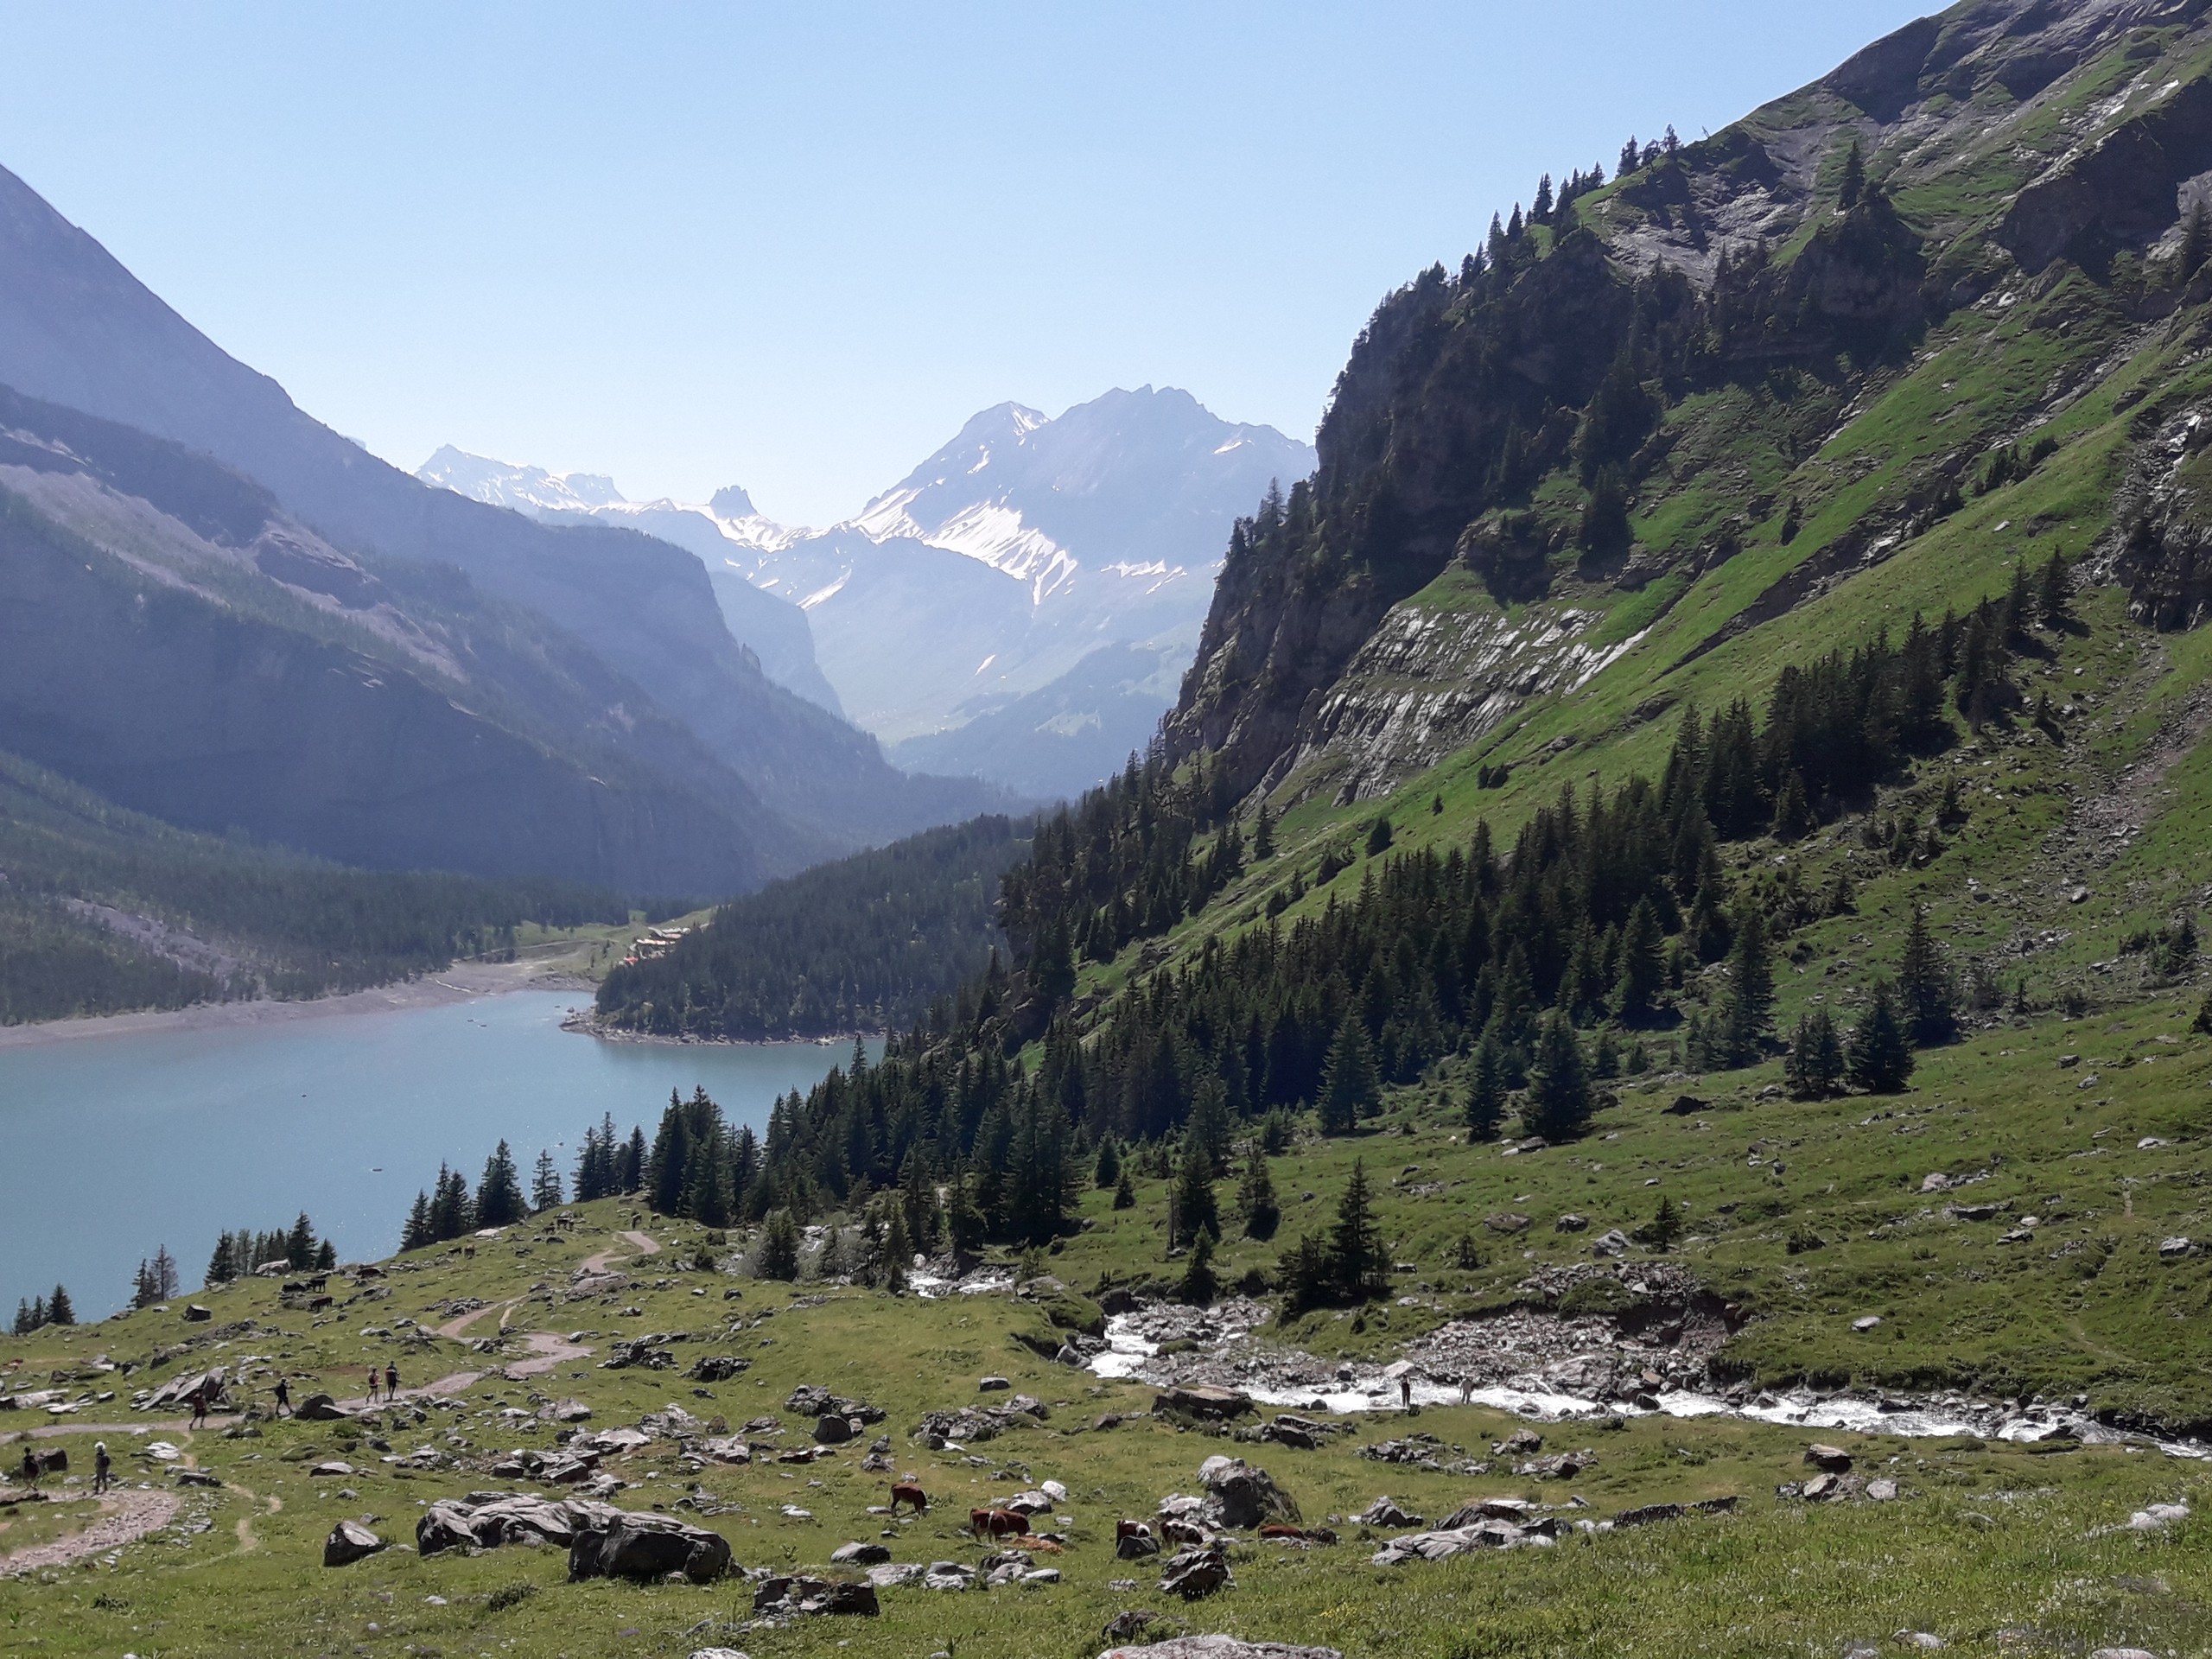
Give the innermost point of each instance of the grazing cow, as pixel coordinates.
(906, 1491)
(998, 1523)
(1132, 1529)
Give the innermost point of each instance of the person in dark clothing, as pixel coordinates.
(200, 1404)
(30, 1468)
(372, 1385)
(284, 1397)
(390, 1382)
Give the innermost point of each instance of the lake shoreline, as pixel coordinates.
(588, 1024)
(464, 981)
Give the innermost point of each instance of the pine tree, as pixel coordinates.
(1880, 1059)
(1352, 1086)
(2055, 596)
(499, 1194)
(1559, 1104)
(141, 1286)
(2203, 1023)
(546, 1184)
(830, 1260)
(223, 1267)
(1486, 1092)
(1264, 834)
(917, 1203)
(897, 1249)
(59, 1308)
(1255, 1197)
(326, 1256)
(419, 1230)
(299, 1244)
(162, 1275)
(1927, 993)
(1106, 1174)
(1643, 973)
(24, 1325)
(630, 1167)
(1198, 1286)
(1210, 1126)
(1815, 1069)
(965, 1225)
(1665, 1226)
(1195, 1209)
(777, 1258)
(1792, 815)
(1747, 1014)
(1357, 1265)
(1125, 1194)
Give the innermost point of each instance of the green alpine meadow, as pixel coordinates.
(1628, 1073)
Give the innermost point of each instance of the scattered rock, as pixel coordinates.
(1135, 1546)
(1507, 1222)
(993, 1385)
(1565, 1466)
(832, 1430)
(1571, 1223)
(1130, 1623)
(1615, 1242)
(646, 1548)
(1444, 1543)
(1521, 1442)
(949, 1575)
(334, 1470)
(811, 1401)
(1922, 1640)
(717, 1367)
(1834, 1458)
(1199, 1400)
(806, 1596)
(1245, 1496)
(349, 1542)
(1195, 1573)
(1882, 1491)
(320, 1408)
(1221, 1647)
(1869, 1322)
(860, 1555)
(1383, 1512)
(2173, 1249)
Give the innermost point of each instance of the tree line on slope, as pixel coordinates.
(279, 925)
(865, 943)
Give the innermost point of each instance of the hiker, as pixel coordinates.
(200, 1404)
(372, 1385)
(284, 1397)
(391, 1382)
(1406, 1391)
(1467, 1388)
(101, 1465)
(30, 1468)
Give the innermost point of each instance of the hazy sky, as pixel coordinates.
(794, 247)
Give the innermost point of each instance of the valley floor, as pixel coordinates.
(2024, 1516)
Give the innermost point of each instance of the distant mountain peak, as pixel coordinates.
(512, 484)
(732, 501)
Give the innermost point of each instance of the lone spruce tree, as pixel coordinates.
(1255, 1197)
(777, 1258)
(1357, 1264)
(1815, 1066)
(1195, 1209)
(1880, 1059)
(1929, 995)
(1486, 1092)
(1352, 1086)
(1199, 1285)
(1559, 1104)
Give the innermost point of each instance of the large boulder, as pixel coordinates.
(1243, 1496)
(1220, 1647)
(646, 1548)
(349, 1542)
(320, 1408)
(807, 1596)
(1199, 1400)
(717, 1367)
(811, 1399)
(488, 1520)
(1195, 1573)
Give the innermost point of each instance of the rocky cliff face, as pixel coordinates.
(2003, 142)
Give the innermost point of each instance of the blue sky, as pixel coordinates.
(794, 247)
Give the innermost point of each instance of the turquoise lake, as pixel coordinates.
(110, 1145)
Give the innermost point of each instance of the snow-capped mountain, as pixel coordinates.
(978, 587)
